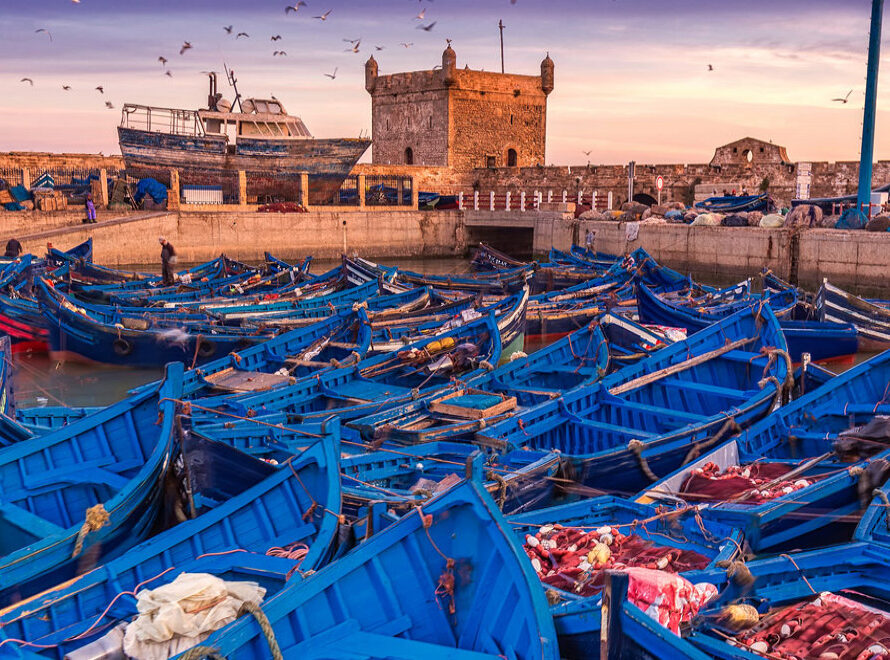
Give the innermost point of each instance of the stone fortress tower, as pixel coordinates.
(458, 118)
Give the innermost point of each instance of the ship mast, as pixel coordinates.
(230, 74)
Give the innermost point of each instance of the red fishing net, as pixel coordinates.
(828, 626)
(754, 483)
(573, 559)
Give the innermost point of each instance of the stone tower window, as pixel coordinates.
(511, 157)
(511, 120)
(431, 122)
(489, 161)
(409, 156)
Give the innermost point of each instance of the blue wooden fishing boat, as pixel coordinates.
(473, 404)
(407, 476)
(82, 252)
(244, 509)
(472, 594)
(736, 203)
(677, 542)
(630, 341)
(76, 333)
(795, 477)
(381, 381)
(822, 340)
(871, 317)
(831, 602)
(86, 492)
(645, 419)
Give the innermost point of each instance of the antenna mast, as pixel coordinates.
(230, 74)
(501, 28)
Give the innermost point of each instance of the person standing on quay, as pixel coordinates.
(13, 249)
(91, 209)
(168, 260)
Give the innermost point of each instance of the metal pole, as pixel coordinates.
(866, 158)
(630, 180)
(501, 28)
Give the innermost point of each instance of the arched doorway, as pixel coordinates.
(643, 198)
(511, 158)
(409, 156)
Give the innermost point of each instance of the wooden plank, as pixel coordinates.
(677, 368)
(234, 380)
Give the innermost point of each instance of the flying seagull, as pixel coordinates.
(228, 28)
(100, 89)
(710, 67)
(27, 80)
(109, 105)
(379, 47)
(39, 30)
(844, 99)
(407, 45)
(427, 28)
(355, 46)
(276, 37)
(278, 52)
(295, 7)
(332, 76)
(162, 60)
(587, 153)
(242, 34)
(186, 45)
(66, 87)
(324, 16)
(420, 16)
(168, 73)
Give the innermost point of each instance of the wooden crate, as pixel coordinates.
(442, 405)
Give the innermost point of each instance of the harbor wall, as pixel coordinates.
(199, 236)
(853, 259)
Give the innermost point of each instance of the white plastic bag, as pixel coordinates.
(176, 616)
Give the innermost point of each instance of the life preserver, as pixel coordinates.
(206, 348)
(122, 347)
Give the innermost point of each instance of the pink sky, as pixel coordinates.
(632, 79)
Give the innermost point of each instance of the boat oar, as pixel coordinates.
(679, 367)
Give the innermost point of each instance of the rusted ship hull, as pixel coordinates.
(203, 158)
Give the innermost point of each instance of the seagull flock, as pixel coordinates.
(354, 45)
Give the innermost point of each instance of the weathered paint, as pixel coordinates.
(328, 161)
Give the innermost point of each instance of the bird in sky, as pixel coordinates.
(66, 87)
(587, 153)
(109, 105)
(168, 73)
(710, 67)
(27, 80)
(845, 99)
(276, 37)
(427, 28)
(162, 60)
(242, 34)
(324, 16)
(332, 76)
(407, 45)
(295, 7)
(420, 16)
(75, 2)
(100, 89)
(186, 45)
(39, 30)
(355, 45)
(379, 47)
(228, 28)
(279, 52)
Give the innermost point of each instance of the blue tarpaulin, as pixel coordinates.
(851, 219)
(151, 187)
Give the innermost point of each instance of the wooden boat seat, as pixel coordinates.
(613, 429)
(665, 413)
(27, 522)
(235, 380)
(705, 388)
